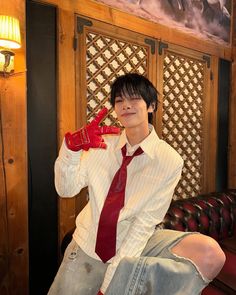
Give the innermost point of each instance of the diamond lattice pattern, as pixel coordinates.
(106, 59)
(183, 117)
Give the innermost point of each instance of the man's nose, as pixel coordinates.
(126, 104)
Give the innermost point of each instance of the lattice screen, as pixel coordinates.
(183, 77)
(107, 58)
(183, 117)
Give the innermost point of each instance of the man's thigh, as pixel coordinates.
(162, 241)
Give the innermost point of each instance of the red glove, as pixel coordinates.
(99, 293)
(90, 136)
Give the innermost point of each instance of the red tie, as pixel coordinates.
(106, 234)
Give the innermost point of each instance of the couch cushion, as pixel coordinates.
(212, 290)
(228, 273)
(229, 244)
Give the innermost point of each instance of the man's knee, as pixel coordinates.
(204, 251)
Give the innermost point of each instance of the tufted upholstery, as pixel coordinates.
(212, 214)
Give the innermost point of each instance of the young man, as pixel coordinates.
(116, 248)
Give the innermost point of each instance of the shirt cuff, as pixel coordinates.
(68, 156)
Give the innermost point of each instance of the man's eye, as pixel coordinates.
(118, 100)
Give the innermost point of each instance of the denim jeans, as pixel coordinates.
(156, 271)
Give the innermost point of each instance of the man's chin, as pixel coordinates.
(129, 125)
(128, 122)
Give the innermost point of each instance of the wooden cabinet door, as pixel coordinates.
(187, 115)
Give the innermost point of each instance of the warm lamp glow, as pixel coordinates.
(9, 32)
(9, 39)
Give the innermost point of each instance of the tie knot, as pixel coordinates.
(127, 159)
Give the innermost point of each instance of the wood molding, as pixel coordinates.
(66, 106)
(211, 142)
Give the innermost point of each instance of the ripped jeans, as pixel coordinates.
(156, 271)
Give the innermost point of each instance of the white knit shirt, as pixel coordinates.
(151, 180)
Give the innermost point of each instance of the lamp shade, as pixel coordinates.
(9, 32)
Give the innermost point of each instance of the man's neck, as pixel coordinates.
(136, 135)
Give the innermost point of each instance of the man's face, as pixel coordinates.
(132, 111)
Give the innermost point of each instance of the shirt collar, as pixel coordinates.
(148, 145)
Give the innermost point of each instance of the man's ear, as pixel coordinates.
(152, 107)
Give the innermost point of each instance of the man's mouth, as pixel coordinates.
(127, 114)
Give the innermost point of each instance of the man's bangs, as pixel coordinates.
(127, 90)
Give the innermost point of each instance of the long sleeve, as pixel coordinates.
(70, 172)
(144, 225)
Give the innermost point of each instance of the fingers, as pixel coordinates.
(108, 130)
(100, 116)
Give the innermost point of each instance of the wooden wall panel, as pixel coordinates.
(66, 104)
(4, 259)
(210, 142)
(232, 114)
(13, 172)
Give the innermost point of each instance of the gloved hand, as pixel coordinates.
(90, 136)
(99, 293)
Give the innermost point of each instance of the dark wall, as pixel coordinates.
(42, 144)
(223, 125)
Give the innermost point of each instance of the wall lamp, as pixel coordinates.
(9, 39)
